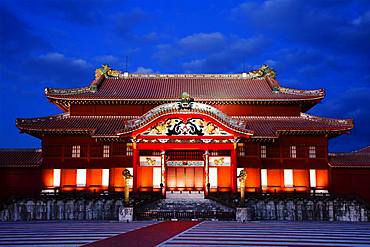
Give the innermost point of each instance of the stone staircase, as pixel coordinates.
(185, 205)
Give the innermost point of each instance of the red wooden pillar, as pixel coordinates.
(163, 172)
(206, 172)
(234, 169)
(135, 165)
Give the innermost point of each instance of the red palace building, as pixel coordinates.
(184, 132)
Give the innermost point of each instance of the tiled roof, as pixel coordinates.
(94, 125)
(355, 159)
(263, 127)
(271, 126)
(209, 88)
(364, 150)
(23, 158)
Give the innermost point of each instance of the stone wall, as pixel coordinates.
(51, 209)
(303, 209)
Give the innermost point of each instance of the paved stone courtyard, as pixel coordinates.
(206, 233)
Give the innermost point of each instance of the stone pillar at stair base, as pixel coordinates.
(126, 214)
(243, 214)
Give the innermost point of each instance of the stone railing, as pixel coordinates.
(70, 209)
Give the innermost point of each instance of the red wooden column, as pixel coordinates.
(163, 172)
(135, 161)
(206, 172)
(234, 169)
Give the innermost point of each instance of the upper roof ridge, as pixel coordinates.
(261, 73)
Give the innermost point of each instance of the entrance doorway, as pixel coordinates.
(185, 178)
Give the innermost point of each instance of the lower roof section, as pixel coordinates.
(111, 126)
(20, 158)
(355, 159)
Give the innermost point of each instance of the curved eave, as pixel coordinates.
(329, 133)
(349, 166)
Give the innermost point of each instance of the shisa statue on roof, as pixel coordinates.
(107, 71)
(262, 72)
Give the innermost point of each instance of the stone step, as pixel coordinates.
(186, 203)
(185, 195)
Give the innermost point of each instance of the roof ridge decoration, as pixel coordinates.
(261, 73)
(319, 92)
(185, 104)
(107, 72)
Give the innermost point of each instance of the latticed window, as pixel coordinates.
(263, 151)
(106, 151)
(76, 151)
(312, 152)
(241, 150)
(293, 151)
(129, 150)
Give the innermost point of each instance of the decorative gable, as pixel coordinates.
(189, 127)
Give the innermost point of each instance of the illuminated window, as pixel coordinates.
(157, 177)
(293, 151)
(76, 151)
(263, 152)
(312, 152)
(129, 151)
(213, 177)
(312, 178)
(56, 178)
(288, 177)
(81, 177)
(106, 151)
(105, 178)
(264, 177)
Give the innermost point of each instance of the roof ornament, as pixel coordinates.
(262, 72)
(107, 72)
(185, 101)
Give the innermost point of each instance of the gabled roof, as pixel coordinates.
(20, 158)
(164, 88)
(355, 159)
(187, 106)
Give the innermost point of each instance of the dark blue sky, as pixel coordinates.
(311, 44)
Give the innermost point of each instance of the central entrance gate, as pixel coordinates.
(185, 178)
(185, 170)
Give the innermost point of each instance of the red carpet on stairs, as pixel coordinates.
(147, 236)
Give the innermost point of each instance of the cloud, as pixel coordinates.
(86, 13)
(16, 37)
(166, 53)
(328, 24)
(349, 103)
(57, 69)
(210, 52)
(107, 59)
(125, 22)
(228, 59)
(202, 42)
(143, 70)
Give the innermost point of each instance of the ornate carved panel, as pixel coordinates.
(192, 127)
